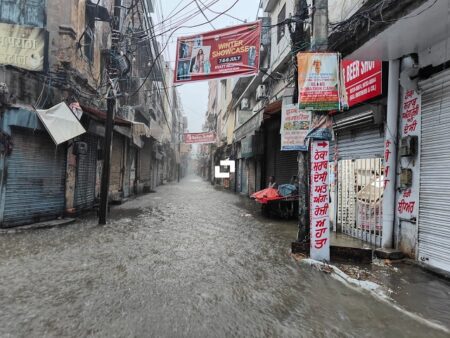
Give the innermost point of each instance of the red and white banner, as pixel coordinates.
(362, 79)
(200, 138)
(319, 201)
(221, 53)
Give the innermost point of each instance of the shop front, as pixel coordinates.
(434, 196)
(359, 172)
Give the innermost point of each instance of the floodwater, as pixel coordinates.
(187, 261)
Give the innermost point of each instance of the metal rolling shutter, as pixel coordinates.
(117, 165)
(287, 166)
(35, 182)
(244, 176)
(366, 142)
(86, 174)
(434, 196)
(238, 175)
(145, 159)
(272, 142)
(251, 176)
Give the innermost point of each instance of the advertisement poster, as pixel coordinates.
(318, 81)
(319, 201)
(200, 138)
(217, 54)
(363, 80)
(295, 124)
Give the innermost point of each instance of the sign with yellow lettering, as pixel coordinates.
(226, 52)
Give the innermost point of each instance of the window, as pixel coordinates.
(281, 27)
(26, 12)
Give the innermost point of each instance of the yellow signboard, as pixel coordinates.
(22, 47)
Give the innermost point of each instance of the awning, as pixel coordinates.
(272, 108)
(125, 131)
(61, 123)
(156, 131)
(100, 115)
(20, 116)
(139, 129)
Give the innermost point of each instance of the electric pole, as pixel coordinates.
(107, 150)
(109, 124)
(319, 42)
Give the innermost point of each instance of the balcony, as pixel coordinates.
(269, 5)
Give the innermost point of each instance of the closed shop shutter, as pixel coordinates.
(35, 182)
(251, 176)
(244, 176)
(287, 166)
(258, 175)
(434, 196)
(367, 142)
(86, 174)
(144, 163)
(238, 175)
(117, 165)
(272, 144)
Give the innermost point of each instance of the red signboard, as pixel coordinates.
(191, 138)
(221, 53)
(363, 80)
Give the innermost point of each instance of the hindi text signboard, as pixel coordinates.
(22, 47)
(295, 124)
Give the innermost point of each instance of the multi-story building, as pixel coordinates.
(77, 52)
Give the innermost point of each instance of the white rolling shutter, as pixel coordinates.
(434, 197)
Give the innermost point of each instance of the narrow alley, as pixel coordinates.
(189, 261)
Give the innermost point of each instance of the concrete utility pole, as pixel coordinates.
(106, 160)
(319, 42)
(109, 125)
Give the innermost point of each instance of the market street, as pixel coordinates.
(188, 261)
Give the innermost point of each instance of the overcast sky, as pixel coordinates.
(194, 96)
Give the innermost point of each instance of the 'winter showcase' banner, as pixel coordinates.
(200, 138)
(318, 81)
(295, 124)
(221, 53)
(319, 201)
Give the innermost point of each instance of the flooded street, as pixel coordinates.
(187, 261)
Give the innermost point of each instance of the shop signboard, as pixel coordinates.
(232, 51)
(318, 81)
(363, 80)
(200, 138)
(247, 146)
(319, 201)
(22, 47)
(295, 124)
(248, 127)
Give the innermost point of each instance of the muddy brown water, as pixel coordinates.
(187, 261)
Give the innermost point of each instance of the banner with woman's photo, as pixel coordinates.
(227, 52)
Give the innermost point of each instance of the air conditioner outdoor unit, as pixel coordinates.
(261, 92)
(245, 104)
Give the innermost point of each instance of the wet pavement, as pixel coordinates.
(187, 261)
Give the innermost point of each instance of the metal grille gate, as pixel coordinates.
(360, 194)
(86, 174)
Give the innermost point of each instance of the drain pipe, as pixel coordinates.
(390, 155)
